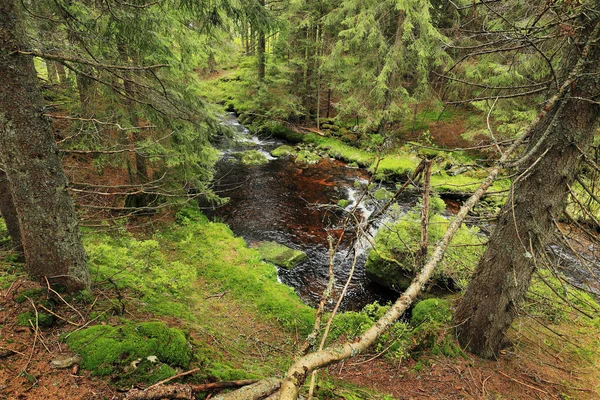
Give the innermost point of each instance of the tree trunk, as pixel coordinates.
(536, 200)
(260, 54)
(29, 155)
(52, 72)
(62, 74)
(9, 213)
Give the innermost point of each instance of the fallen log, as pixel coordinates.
(181, 391)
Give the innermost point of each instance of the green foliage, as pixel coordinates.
(343, 203)
(144, 352)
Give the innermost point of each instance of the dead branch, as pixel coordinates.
(184, 391)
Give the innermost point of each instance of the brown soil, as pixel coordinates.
(26, 353)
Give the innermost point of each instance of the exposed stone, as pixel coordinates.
(280, 254)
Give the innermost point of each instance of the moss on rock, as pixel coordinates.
(144, 352)
(251, 157)
(280, 255)
(307, 157)
(283, 151)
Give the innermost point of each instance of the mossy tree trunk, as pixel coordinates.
(29, 156)
(536, 201)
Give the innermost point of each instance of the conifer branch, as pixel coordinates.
(78, 60)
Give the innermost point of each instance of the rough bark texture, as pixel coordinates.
(29, 156)
(9, 213)
(526, 221)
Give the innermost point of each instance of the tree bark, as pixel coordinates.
(536, 200)
(9, 213)
(29, 155)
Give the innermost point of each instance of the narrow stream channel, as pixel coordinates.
(294, 205)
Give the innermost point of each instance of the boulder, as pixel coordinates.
(283, 151)
(280, 254)
(251, 157)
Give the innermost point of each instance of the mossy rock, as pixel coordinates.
(307, 157)
(330, 127)
(251, 157)
(387, 274)
(28, 318)
(144, 352)
(283, 151)
(281, 255)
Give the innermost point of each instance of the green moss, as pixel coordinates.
(127, 350)
(430, 310)
(283, 151)
(280, 255)
(33, 294)
(251, 157)
(211, 250)
(341, 151)
(343, 203)
(395, 166)
(307, 157)
(27, 318)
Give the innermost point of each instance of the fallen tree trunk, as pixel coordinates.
(180, 391)
(259, 390)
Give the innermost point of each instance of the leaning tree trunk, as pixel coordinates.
(9, 213)
(535, 202)
(29, 156)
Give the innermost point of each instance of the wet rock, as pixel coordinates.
(280, 255)
(251, 157)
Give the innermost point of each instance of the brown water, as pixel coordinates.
(294, 205)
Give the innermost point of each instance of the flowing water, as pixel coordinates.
(294, 205)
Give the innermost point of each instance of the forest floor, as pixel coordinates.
(539, 365)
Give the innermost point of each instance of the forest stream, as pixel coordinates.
(295, 205)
